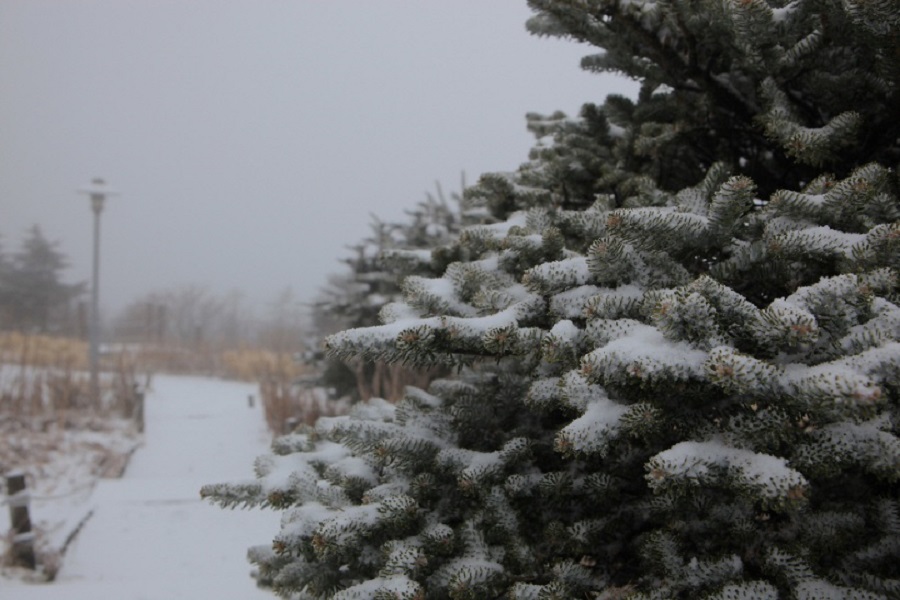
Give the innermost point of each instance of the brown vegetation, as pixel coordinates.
(289, 404)
(257, 364)
(381, 380)
(54, 430)
(44, 378)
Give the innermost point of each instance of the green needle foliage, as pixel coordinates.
(674, 332)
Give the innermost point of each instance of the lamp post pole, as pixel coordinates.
(97, 192)
(97, 200)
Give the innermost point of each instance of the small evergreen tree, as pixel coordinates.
(677, 339)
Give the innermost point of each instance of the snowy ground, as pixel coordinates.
(150, 536)
(62, 458)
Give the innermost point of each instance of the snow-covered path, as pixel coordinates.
(151, 537)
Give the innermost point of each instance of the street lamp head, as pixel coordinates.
(97, 191)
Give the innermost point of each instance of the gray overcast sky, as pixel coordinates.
(252, 139)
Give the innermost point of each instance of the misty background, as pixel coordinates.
(251, 141)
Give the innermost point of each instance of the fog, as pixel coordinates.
(252, 140)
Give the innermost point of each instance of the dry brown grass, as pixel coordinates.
(46, 378)
(242, 364)
(255, 364)
(288, 404)
(390, 381)
(43, 351)
(288, 401)
(285, 401)
(51, 426)
(166, 358)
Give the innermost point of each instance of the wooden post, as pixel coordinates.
(23, 537)
(139, 410)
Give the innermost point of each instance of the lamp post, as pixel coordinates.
(97, 191)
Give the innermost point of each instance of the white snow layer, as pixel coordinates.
(644, 352)
(591, 432)
(704, 462)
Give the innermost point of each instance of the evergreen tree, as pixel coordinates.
(377, 270)
(677, 339)
(31, 290)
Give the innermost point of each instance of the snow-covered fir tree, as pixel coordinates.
(380, 261)
(376, 271)
(676, 339)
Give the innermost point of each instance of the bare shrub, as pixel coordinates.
(381, 380)
(45, 379)
(288, 403)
